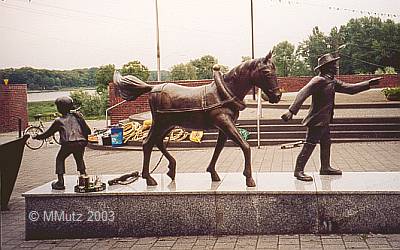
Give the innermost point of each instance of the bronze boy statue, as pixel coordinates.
(322, 88)
(73, 138)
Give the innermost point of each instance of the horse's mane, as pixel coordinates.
(237, 71)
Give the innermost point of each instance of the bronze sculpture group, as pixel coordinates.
(216, 105)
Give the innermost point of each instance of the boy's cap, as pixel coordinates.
(64, 104)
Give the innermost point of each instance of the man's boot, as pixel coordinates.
(59, 184)
(325, 157)
(301, 162)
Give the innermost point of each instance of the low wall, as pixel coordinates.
(288, 84)
(13, 106)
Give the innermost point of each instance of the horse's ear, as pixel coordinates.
(268, 57)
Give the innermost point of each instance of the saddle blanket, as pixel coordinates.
(172, 98)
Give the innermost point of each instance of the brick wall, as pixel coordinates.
(13, 105)
(288, 84)
(293, 84)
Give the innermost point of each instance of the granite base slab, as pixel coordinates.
(194, 205)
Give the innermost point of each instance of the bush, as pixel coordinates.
(392, 94)
(92, 106)
(385, 71)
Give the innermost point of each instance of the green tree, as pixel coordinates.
(50, 79)
(312, 48)
(204, 66)
(92, 105)
(284, 58)
(104, 76)
(183, 71)
(137, 69)
(370, 43)
(288, 62)
(165, 75)
(246, 58)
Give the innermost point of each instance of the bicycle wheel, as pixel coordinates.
(32, 143)
(56, 137)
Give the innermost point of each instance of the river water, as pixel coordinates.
(51, 96)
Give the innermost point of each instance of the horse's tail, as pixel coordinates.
(130, 87)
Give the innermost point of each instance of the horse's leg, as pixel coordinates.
(148, 144)
(226, 124)
(217, 151)
(172, 162)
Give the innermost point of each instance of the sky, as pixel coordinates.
(72, 34)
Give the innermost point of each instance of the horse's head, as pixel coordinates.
(264, 77)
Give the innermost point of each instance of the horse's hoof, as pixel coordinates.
(171, 174)
(250, 182)
(215, 177)
(150, 181)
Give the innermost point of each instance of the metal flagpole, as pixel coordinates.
(259, 90)
(158, 44)
(252, 42)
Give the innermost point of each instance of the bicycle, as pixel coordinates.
(34, 130)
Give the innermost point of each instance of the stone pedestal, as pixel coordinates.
(193, 205)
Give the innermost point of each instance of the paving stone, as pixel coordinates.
(68, 243)
(395, 244)
(146, 241)
(376, 241)
(84, 245)
(310, 238)
(353, 238)
(44, 246)
(380, 246)
(29, 244)
(67, 248)
(334, 247)
(123, 244)
(182, 246)
(332, 241)
(356, 244)
(205, 242)
(288, 241)
(202, 247)
(164, 243)
(224, 245)
(270, 238)
(288, 247)
(138, 247)
(393, 237)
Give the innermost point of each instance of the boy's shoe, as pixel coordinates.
(57, 185)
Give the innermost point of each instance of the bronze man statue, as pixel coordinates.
(322, 88)
(73, 138)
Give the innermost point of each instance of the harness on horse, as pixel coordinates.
(173, 98)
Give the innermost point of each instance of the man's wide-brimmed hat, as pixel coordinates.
(325, 59)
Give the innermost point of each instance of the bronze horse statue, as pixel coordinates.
(215, 105)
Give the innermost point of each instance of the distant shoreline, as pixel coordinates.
(52, 95)
(58, 90)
